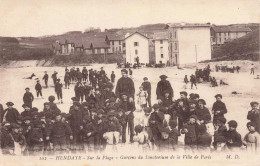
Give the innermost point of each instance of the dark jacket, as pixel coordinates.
(58, 87)
(45, 77)
(127, 106)
(162, 86)
(235, 137)
(59, 129)
(204, 140)
(147, 87)
(125, 85)
(254, 117)
(28, 97)
(38, 87)
(201, 114)
(219, 106)
(76, 118)
(11, 115)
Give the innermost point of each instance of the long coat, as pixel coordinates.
(11, 115)
(254, 116)
(125, 85)
(163, 86)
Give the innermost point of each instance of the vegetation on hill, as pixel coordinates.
(244, 48)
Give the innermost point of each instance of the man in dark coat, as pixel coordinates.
(27, 111)
(58, 90)
(254, 115)
(54, 77)
(125, 85)
(147, 87)
(128, 108)
(85, 74)
(233, 138)
(162, 86)
(219, 108)
(46, 78)
(28, 97)
(10, 114)
(38, 89)
(112, 77)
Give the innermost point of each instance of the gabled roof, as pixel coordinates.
(231, 29)
(136, 33)
(160, 36)
(99, 45)
(114, 37)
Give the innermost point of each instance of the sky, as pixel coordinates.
(48, 17)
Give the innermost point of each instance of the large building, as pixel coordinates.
(137, 45)
(115, 42)
(161, 45)
(221, 34)
(189, 43)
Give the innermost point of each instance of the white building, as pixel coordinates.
(161, 44)
(189, 43)
(137, 45)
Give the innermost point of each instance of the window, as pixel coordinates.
(161, 55)
(119, 49)
(123, 44)
(119, 42)
(170, 35)
(136, 52)
(175, 35)
(112, 42)
(161, 50)
(135, 43)
(175, 46)
(161, 41)
(220, 40)
(113, 49)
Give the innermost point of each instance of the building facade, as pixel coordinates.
(137, 45)
(161, 47)
(115, 42)
(189, 43)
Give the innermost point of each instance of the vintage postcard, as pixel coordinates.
(120, 82)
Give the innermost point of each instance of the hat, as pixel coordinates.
(124, 70)
(75, 99)
(232, 123)
(192, 95)
(251, 124)
(184, 92)
(25, 105)
(218, 95)
(194, 117)
(173, 123)
(123, 93)
(222, 119)
(9, 103)
(148, 109)
(34, 109)
(145, 78)
(76, 103)
(253, 103)
(27, 88)
(46, 103)
(196, 95)
(51, 98)
(139, 128)
(156, 106)
(202, 101)
(84, 104)
(164, 130)
(163, 77)
(193, 102)
(26, 118)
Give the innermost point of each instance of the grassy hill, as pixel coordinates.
(244, 48)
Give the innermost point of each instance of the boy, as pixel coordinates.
(232, 136)
(18, 140)
(89, 132)
(190, 131)
(58, 90)
(38, 89)
(45, 78)
(218, 109)
(252, 138)
(220, 129)
(193, 81)
(147, 87)
(141, 138)
(254, 115)
(58, 132)
(10, 114)
(202, 112)
(174, 133)
(165, 144)
(28, 97)
(113, 76)
(186, 81)
(26, 111)
(204, 138)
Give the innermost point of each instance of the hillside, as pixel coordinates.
(244, 48)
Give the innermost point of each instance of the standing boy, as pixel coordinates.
(28, 97)
(46, 78)
(38, 89)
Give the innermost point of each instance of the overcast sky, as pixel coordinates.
(47, 17)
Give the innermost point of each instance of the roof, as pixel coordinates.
(181, 25)
(231, 29)
(160, 36)
(114, 36)
(137, 33)
(101, 44)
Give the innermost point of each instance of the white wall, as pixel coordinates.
(187, 39)
(165, 51)
(143, 49)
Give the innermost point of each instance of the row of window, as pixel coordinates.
(114, 43)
